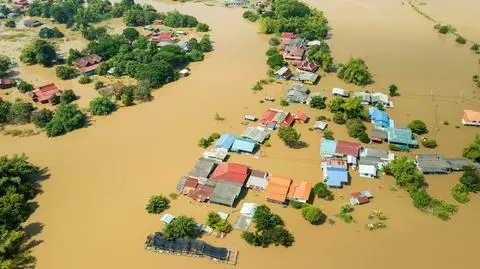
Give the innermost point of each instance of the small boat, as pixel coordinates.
(250, 117)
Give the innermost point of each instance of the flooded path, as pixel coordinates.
(93, 204)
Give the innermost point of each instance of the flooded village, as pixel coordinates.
(208, 142)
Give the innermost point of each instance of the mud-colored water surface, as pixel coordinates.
(92, 207)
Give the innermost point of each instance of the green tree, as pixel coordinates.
(339, 118)
(39, 52)
(250, 15)
(274, 41)
(355, 128)
(289, 136)
(328, 134)
(322, 191)
(313, 214)
(405, 172)
(67, 118)
(393, 90)
(10, 24)
(297, 204)
(471, 152)
(42, 117)
(12, 245)
(460, 193)
(272, 51)
(429, 143)
(264, 219)
(337, 104)
(353, 108)
(68, 96)
(318, 102)
(13, 210)
(46, 32)
(320, 54)
(5, 64)
(205, 44)
(275, 61)
(157, 204)
(4, 110)
(24, 87)
(418, 127)
(99, 85)
(181, 227)
(101, 106)
(66, 72)
(218, 224)
(203, 27)
(355, 71)
(127, 97)
(175, 19)
(20, 113)
(142, 93)
(84, 79)
(471, 178)
(131, 34)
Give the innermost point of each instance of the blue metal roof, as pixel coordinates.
(378, 117)
(336, 176)
(241, 144)
(225, 141)
(328, 147)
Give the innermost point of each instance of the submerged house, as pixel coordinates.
(277, 189)
(283, 73)
(340, 92)
(320, 125)
(275, 118)
(432, 164)
(32, 23)
(226, 192)
(367, 167)
(300, 192)
(231, 172)
(379, 135)
(307, 66)
(300, 116)
(365, 97)
(202, 169)
(248, 209)
(294, 52)
(402, 137)
(341, 149)
(379, 118)
(20, 4)
(288, 36)
(380, 98)
(307, 78)
(258, 180)
(88, 64)
(258, 134)
(225, 141)
(381, 157)
(297, 95)
(116, 89)
(216, 154)
(359, 198)
(7, 83)
(243, 145)
(471, 118)
(458, 164)
(45, 93)
(335, 176)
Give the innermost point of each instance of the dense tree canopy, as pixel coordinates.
(46, 32)
(101, 106)
(5, 64)
(418, 127)
(472, 152)
(313, 214)
(176, 19)
(42, 117)
(20, 113)
(318, 102)
(322, 191)
(320, 54)
(39, 52)
(67, 118)
(471, 179)
(157, 204)
(355, 71)
(289, 136)
(180, 227)
(66, 72)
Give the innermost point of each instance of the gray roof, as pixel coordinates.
(181, 183)
(300, 88)
(226, 192)
(432, 163)
(297, 97)
(257, 179)
(375, 152)
(379, 133)
(307, 76)
(369, 161)
(202, 168)
(257, 134)
(378, 97)
(458, 163)
(365, 96)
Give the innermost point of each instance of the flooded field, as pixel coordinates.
(91, 213)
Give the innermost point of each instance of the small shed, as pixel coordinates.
(225, 141)
(250, 117)
(248, 209)
(184, 72)
(258, 180)
(243, 145)
(359, 198)
(365, 97)
(320, 125)
(167, 218)
(340, 92)
(32, 23)
(380, 98)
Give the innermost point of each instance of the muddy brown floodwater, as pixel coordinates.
(92, 206)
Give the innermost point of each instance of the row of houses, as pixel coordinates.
(437, 164)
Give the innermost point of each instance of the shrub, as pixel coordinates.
(355, 71)
(472, 151)
(443, 29)
(101, 106)
(66, 72)
(296, 204)
(251, 16)
(418, 127)
(356, 128)
(339, 118)
(42, 117)
(99, 85)
(173, 196)
(318, 102)
(24, 86)
(271, 51)
(460, 193)
(429, 143)
(461, 40)
(20, 113)
(313, 214)
(142, 93)
(289, 136)
(84, 80)
(321, 117)
(39, 52)
(218, 224)
(157, 204)
(67, 118)
(322, 191)
(274, 41)
(328, 134)
(257, 87)
(394, 147)
(345, 209)
(471, 179)
(127, 97)
(50, 33)
(202, 27)
(68, 96)
(10, 24)
(284, 102)
(475, 47)
(393, 90)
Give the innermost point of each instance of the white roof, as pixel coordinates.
(320, 125)
(216, 154)
(314, 42)
(248, 209)
(257, 134)
(340, 91)
(223, 215)
(281, 71)
(369, 169)
(184, 71)
(167, 218)
(379, 97)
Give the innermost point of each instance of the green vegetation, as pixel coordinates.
(274, 41)
(257, 87)
(471, 152)
(131, 34)
(313, 214)
(202, 27)
(251, 16)
(218, 224)
(275, 61)
(460, 193)
(296, 204)
(471, 179)
(339, 118)
(42, 117)
(460, 40)
(429, 143)
(271, 51)
(19, 112)
(157, 204)
(407, 176)
(92, 33)
(175, 19)
(355, 71)
(356, 129)
(98, 85)
(84, 80)
(328, 134)
(10, 24)
(418, 127)
(394, 147)
(322, 191)
(393, 90)
(284, 102)
(66, 72)
(345, 215)
(320, 54)
(444, 29)
(337, 104)
(101, 106)
(24, 86)
(268, 229)
(475, 47)
(67, 117)
(46, 32)
(39, 52)
(5, 63)
(289, 136)
(181, 227)
(318, 102)
(19, 187)
(173, 195)
(206, 142)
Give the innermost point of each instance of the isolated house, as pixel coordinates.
(243, 145)
(320, 125)
(300, 192)
(226, 192)
(258, 180)
(45, 93)
(258, 134)
(379, 118)
(7, 83)
(432, 164)
(277, 189)
(216, 154)
(88, 64)
(283, 73)
(32, 23)
(471, 117)
(359, 198)
(340, 92)
(225, 141)
(274, 118)
(231, 172)
(401, 137)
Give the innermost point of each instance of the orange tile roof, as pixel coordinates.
(471, 115)
(300, 191)
(277, 188)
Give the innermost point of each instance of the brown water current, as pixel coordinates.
(92, 206)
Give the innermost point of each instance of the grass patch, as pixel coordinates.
(13, 37)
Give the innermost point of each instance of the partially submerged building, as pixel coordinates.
(402, 137)
(359, 198)
(202, 169)
(232, 172)
(44, 94)
(225, 141)
(379, 118)
(216, 154)
(257, 134)
(258, 180)
(243, 145)
(458, 164)
(471, 118)
(432, 164)
(335, 177)
(300, 192)
(275, 118)
(87, 65)
(320, 125)
(307, 78)
(226, 192)
(7, 83)
(277, 189)
(283, 73)
(340, 92)
(248, 209)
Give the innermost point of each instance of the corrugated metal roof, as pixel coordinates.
(327, 147)
(241, 144)
(225, 141)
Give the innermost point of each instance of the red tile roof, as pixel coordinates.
(44, 93)
(268, 116)
(277, 189)
(191, 183)
(471, 115)
(87, 61)
(301, 116)
(347, 148)
(232, 172)
(290, 35)
(202, 193)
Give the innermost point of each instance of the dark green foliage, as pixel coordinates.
(353, 108)
(394, 147)
(20, 113)
(67, 118)
(289, 136)
(337, 104)
(142, 93)
(274, 41)
(206, 142)
(418, 127)
(42, 117)
(290, 8)
(471, 179)
(156, 73)
(355, 71)
(157, 204)
(218, 224)
(275, 61)
(443, 29)
(296, 204)
(99, 85)
(74, 54)
(284, 102)
(5, 64)
(269, 229)
(138, 15)
(39, 52)
(4, 110)
(131, 34)
(106, 46)
(460, 193)
(475, 47)
(322, 191)
(460, 40)
(356, 128)
(393, 90)
(195, 55)
(472, 152)
(313, 214)
(205, 44)
(320, 54)
(264, 218)
(181, 227)
(318, 102)
(271, 51)
(127, 97)
(429, 143)
(24, 86)
(175, 19)
(406, 174)
(10, 24)
(92, 33)
(203, 27)
(251, 16)
(328, 134)
(46, 32)
(101, 106)
(345, 209)
(66, 72)
(84, 79)
(339, 118)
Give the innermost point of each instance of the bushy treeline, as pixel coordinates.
(17, 189)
